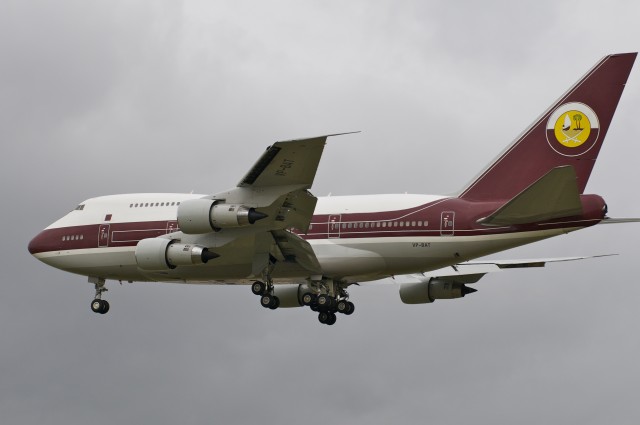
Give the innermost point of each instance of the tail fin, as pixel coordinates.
(569, 133)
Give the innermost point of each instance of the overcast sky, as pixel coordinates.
(107, 97)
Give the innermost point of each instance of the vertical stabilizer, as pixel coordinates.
(569, 133)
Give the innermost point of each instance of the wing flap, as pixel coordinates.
(297, 250)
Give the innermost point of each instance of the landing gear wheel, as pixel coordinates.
(105, 307)
(350, 308)
(266, 300)
(327, 318)
(270, 301)
(258, 288)
(343, 306)
(308, 298)
(275, 303)
(99, 306)
(325, 302)
(96, 306)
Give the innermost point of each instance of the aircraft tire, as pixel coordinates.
(258, 288)
(343, 306)
(275, 302)
(105, 307)
(266, 300)
(307, 298)
(96, 305)
(350, 308)
(325, 302)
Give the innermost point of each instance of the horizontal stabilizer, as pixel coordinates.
(472, 271)
(554, 195)
(608, 220)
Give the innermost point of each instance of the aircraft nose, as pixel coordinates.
(39, 243)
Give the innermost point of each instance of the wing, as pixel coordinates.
(277, 184)
(254, 219)
(449, 282)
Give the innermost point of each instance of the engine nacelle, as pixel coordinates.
(290, 295)
(164, 254)
(434, 289)
(197, 216)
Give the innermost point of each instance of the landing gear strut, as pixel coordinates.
(265, 291)
(98, 305)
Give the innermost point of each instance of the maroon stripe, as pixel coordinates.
(463, 214)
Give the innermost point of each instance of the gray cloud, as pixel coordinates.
(114, 97)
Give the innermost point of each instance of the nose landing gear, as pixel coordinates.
(98, 305)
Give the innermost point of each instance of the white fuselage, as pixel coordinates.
(355, 238)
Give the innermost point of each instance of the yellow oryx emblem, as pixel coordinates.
(572, 128)
(572, 125)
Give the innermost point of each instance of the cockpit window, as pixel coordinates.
(80, 207)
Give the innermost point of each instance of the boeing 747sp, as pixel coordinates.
(294, 249)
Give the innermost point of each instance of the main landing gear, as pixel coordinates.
(328, 305)
(265, 291)
(325, 297)
(98, 305)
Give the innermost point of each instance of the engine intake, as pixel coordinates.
(197, 216)
(434, 289)
(165, 254)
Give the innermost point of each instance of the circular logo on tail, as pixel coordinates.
(572, 129)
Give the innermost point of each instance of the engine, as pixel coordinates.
(165, 254)
(434, 289)
(197, 216)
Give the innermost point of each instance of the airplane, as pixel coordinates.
(295, 249)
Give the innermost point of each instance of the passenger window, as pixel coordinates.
(366, 225)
